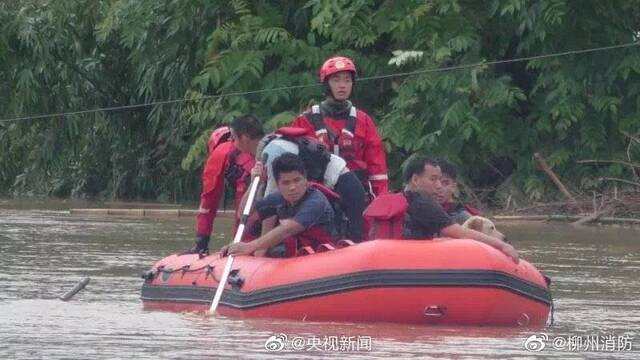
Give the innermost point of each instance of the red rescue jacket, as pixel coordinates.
(224, 162)
(355, 139)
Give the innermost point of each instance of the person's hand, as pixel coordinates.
(257, 170)
(237, 249)
(511, 252)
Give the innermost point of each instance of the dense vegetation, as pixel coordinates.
(69, 55)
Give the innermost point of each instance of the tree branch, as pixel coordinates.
(620, 180)
(545, 167)
(609, 161)
(631, 137)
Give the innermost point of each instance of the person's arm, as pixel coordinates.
(461, 216)
(376, 158)
(268, 224)
(459, 232)
(257, 170)
(287, 228)
(212, 189)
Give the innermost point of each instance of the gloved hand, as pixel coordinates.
(201, 246)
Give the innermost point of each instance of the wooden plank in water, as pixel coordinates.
(145, 212)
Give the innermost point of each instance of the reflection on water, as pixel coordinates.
(46, 252)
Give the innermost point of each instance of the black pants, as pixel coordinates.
(352, 198)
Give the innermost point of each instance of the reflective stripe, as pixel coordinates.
(378, 177)
(321, 131)
(371, 192)
(347, 132)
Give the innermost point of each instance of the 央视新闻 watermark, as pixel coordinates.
(343, 343)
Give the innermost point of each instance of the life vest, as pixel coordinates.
(453, 208)
(312, 237)
(340, 215)
(313, 153)
(385, 216)
(473, 211)
(238, 171)
(345, 144)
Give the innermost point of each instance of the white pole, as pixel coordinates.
(227, 267)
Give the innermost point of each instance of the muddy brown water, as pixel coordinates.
(45, 251)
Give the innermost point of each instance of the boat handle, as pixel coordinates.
(434, 311)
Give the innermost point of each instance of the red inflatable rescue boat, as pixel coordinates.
(452, 282)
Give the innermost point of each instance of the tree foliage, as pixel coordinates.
(68, 55)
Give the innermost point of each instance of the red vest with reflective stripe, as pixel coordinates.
(345, 144)
(385, 216)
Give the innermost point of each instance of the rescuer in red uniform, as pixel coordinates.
(225, 163)
(348, 132)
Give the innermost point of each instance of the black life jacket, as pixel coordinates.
(313, 153)
(237, 170)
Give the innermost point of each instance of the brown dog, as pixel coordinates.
(485, 226)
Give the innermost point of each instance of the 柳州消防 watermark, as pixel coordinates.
(579, 343)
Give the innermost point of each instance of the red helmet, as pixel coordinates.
(218, 136)
(336, 64)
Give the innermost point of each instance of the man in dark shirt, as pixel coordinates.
(425, 218)
(303, 214)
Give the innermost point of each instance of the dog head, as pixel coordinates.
(485, 226)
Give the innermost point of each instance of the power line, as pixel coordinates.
(506, 61)
(370, 78)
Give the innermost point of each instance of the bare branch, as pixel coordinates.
(633, 170)
(563, 189)
(632, 137)
(609, 161)
(620, 180)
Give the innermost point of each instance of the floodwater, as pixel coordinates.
(595, 273)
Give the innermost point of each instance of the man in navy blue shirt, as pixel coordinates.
(295, 215)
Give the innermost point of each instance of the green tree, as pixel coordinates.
(221, 58)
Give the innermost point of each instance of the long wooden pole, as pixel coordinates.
(227, 267)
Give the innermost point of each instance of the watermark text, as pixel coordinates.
(342, 343)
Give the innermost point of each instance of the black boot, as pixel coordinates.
(201, 246)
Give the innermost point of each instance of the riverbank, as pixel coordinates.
(613, 209)
(606, 208)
